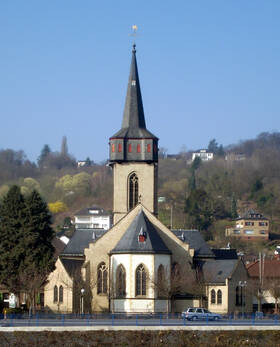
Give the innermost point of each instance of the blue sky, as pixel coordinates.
(208, 69)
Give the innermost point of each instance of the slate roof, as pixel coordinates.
(81, 240)
(72, 266)
(133, 124)
(196, 241)
(218, 270)
(224, 253)
(129, 243)
(58, 246)
(252, 214)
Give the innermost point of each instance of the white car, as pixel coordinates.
(195, 313)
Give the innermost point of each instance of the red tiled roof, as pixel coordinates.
(271, 268)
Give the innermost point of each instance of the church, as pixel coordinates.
(139, 265)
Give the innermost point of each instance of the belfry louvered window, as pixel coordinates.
(132, 191)
(141, 281)
(102, 274)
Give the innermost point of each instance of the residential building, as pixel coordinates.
(93, 218)
(251, 226)
(265, 283)
(203, 154)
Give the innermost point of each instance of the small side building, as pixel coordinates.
(93, 218)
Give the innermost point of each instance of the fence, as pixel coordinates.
(119, 319)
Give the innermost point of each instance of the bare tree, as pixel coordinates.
(169, 283)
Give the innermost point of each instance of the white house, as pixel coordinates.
(93, 218)
(203, 154)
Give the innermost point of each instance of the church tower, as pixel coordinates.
(134, 154)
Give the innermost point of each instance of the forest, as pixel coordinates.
(192, 194)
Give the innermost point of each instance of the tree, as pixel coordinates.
(26, 250)
(38, 259)
(12, 219)
(64, 147)
(213, 146)
(44, 154)
(234, 213)
(198, 207)
(57, 207)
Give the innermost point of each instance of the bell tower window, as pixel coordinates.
(119, 147)
(138, 148)
(113, 147)
(149, 148)
(132, 191)
(129, 148)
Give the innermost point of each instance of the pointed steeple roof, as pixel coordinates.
(131, 241)
(133, 124)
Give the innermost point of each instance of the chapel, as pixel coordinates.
(139, 265)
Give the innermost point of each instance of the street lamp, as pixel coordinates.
(82, 300)
(243, 284)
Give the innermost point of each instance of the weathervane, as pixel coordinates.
(134, 32)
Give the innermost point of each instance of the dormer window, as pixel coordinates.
(142, 236)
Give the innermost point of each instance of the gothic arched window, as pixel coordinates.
(102, 274)
(120, 282)
(55, 294)
(213, 296)
(219, 297)
(161, 282)
(237, 296)
(141, 281)
(60, 294)
(132, 191)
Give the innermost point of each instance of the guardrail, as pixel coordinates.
(118, 319)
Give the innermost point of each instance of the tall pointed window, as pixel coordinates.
(141, 281)
(102, 274)
(161, 282)
(120, 282)
(219, 297)
(60, 294)
(213, 296)
(55, 294)
(132, 191)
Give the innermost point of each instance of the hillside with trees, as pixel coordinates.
(202, 195)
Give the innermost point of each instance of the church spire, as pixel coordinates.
(133, 116)
(133, 142)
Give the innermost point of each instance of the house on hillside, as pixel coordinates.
(139, 265)
(250, 226)
(203, 154)
(93, 218)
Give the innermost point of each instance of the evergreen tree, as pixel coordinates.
(38, 259)
(64, 147)
(44, 154)
(27, 255)
(12, 219)
(234, 213)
